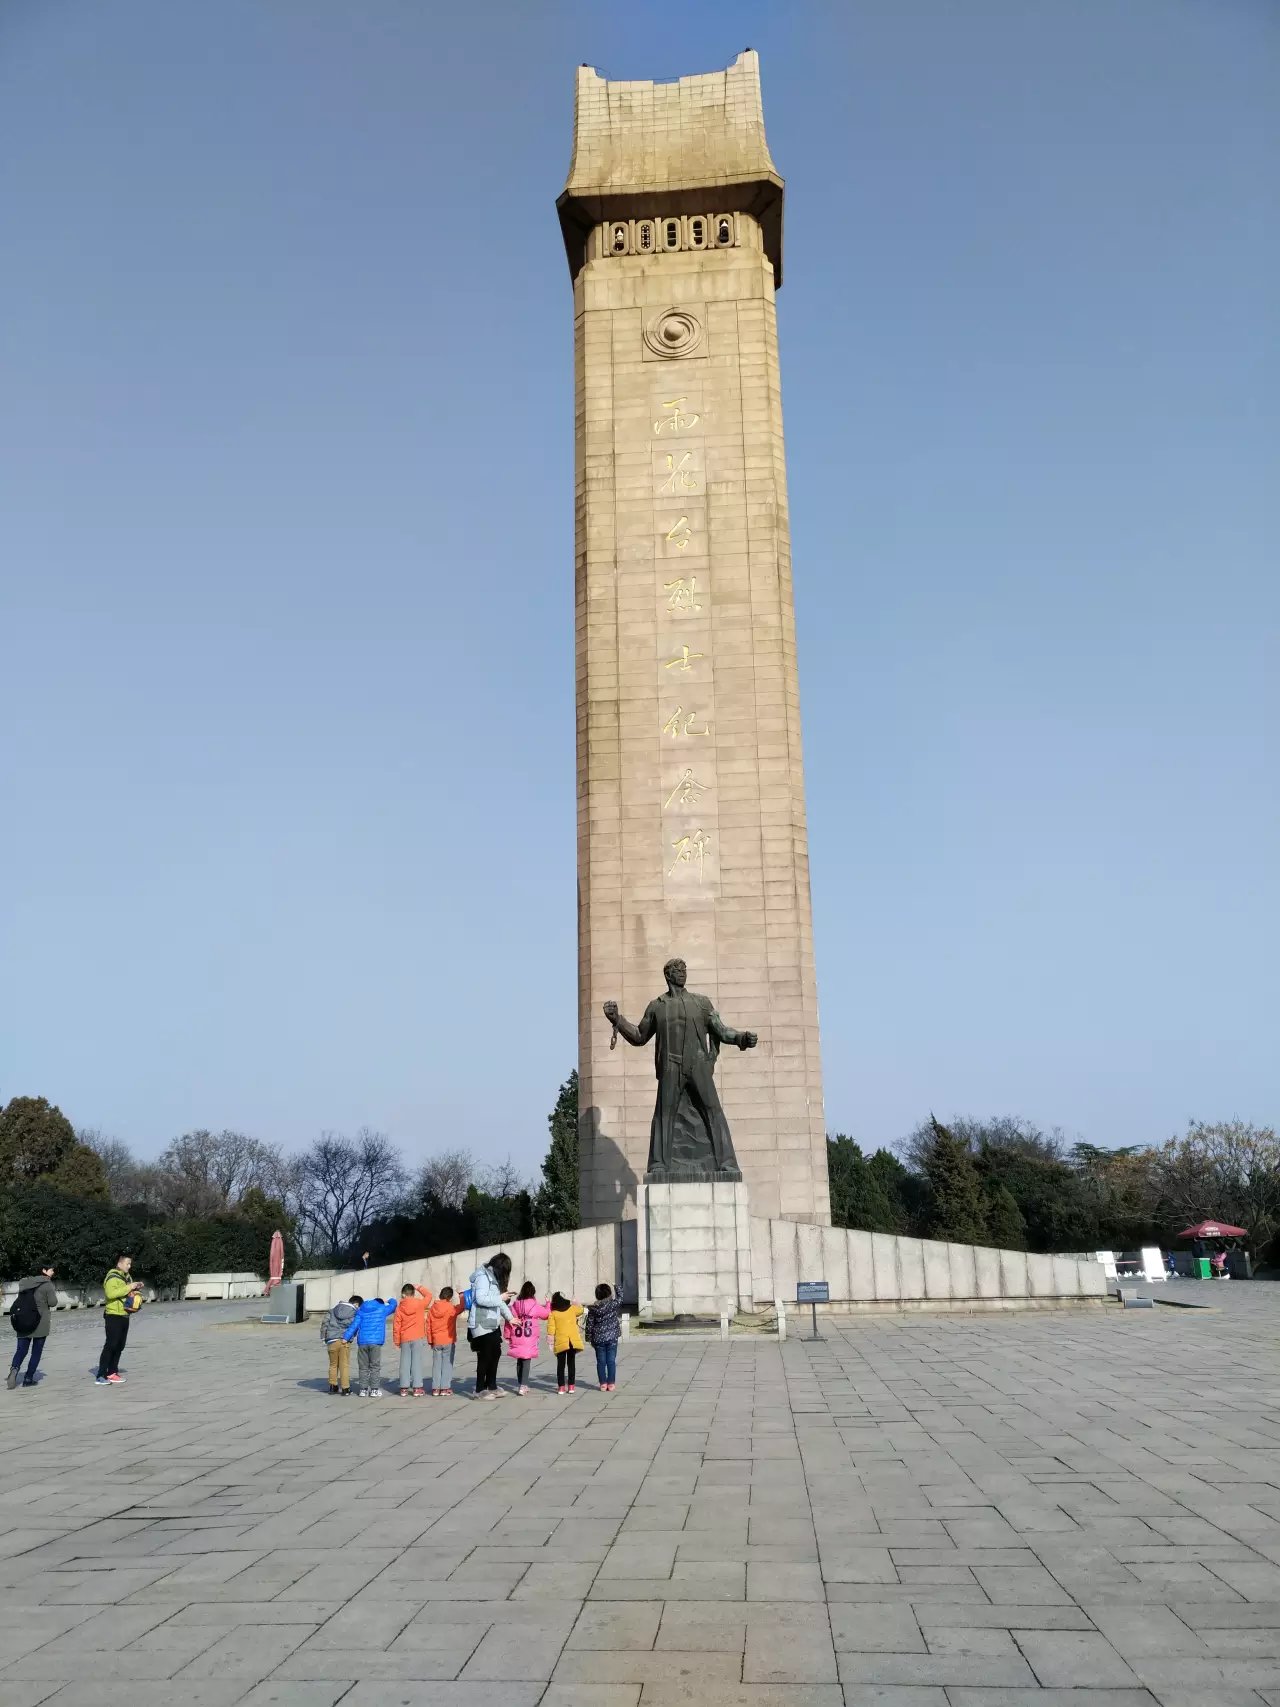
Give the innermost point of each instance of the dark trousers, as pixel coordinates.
(36, 1348)
(607, 1362)
(488, 1350)
(523, 1366)
(117, 1331)
(565, 1360)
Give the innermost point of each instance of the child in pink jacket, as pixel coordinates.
(522, 1335)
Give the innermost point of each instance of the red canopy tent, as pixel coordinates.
(1214, 1230)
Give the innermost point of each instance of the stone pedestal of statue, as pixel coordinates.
(694, 1249)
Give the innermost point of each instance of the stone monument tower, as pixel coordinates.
(692, 840)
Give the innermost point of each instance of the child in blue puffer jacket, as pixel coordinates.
(369, 1331)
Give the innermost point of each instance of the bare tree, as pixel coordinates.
(345, 1184)
(446, 1177)
(118, 1162)
(1229, 1171)
(204, 1172)
(502, 1179)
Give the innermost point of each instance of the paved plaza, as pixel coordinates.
(917, 1512)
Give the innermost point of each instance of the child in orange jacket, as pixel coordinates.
(409, 1332)
(442, 1335)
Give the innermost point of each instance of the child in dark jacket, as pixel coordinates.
(369, 1331)
(603, 1329)
(332, 1330)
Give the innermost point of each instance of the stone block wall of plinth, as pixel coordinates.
(692, 836)
(694, 1250)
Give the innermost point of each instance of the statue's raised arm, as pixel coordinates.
(638, 1035)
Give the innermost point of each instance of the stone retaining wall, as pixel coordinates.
(871, 1271)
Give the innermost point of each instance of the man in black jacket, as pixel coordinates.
(43, 1301)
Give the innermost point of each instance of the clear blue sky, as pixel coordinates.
(286, 553)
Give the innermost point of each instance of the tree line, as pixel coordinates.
(212, 1200)
(1005, 1182)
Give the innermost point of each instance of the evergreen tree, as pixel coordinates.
(498, 1220)
(555, 1205)
(904, 1190)
(80, 1173)
(957, 1212)
(858, 1199)
(1006, 1229)
(34, 1138)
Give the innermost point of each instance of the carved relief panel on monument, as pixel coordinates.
(667, 234)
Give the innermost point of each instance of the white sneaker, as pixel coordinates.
(375, 1392)
(364, 1392)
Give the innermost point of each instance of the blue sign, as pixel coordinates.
(812, 1292)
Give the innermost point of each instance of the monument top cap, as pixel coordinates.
(643, 149)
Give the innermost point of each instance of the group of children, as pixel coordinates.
(418, 1322)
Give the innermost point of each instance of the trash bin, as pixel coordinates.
(1204, 1270)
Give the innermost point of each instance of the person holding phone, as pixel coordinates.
(123, 1298)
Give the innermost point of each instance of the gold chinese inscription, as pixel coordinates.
(680, 477)
(676, 421)
(683, 660)
(691, 851)
(680, 534)
(687, 792)
(682, 594)
(681, 723)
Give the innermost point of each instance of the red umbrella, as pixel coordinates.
(1213, 1230)
(275, 1267)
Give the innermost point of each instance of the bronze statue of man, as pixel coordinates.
(689, 1138)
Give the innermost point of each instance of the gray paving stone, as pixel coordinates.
(282, 1694)
(623, 1625)
(893, 1695)
(978, 1697)
(741, 1695)
(910, 1594)
(947, 1488)
(1154, 1630)
(890, 1629)
(1244, 1615)
(943, 1669)
(513, 1654)
(231, 1656)
(971, 1639)
(795, 1647)
(646, 1666)
(365, 1694)
(784, 1582)
(27, 1694)
(1254, 1581)
(1069, 1659)
(591, 1695)
(969, 1616)
(703, 1626)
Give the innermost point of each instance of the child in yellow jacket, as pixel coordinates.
(564, 1333)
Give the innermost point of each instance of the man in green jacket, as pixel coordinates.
(32, 1335)
(118, 1288)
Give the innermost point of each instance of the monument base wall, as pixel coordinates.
(694, 1250)
(695, 1238)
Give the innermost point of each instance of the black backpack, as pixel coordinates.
(24, 1313)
